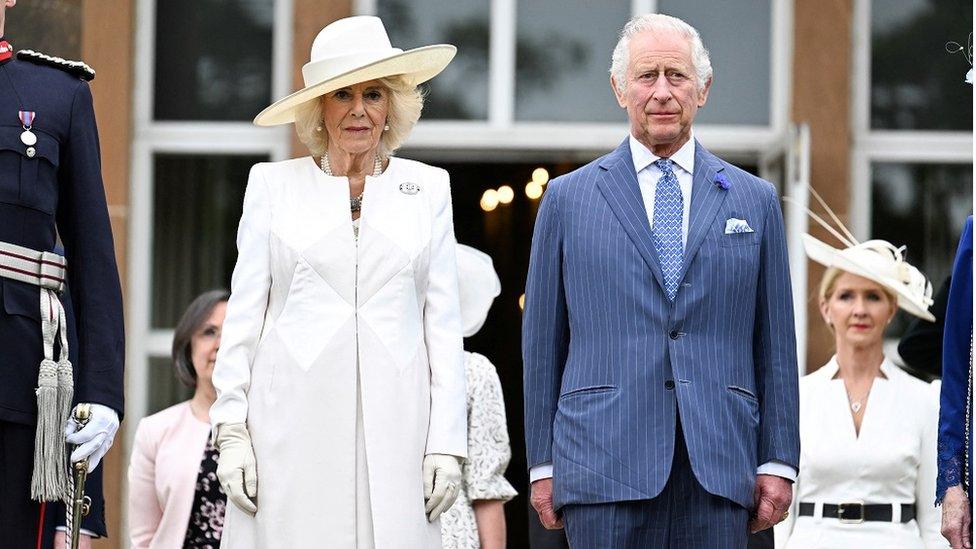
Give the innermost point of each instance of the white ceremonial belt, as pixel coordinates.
(44, 269)
(55, 384)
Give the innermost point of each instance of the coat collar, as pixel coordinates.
(829, 370)
(619, 186)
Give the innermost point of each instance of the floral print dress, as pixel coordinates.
(209, 502)
(482, 475)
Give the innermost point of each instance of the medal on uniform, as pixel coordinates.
(27, 137)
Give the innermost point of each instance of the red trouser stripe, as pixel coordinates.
(40, 525)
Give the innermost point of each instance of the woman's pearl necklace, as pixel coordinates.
(356, 202)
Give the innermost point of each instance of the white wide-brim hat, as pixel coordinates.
(353, 50)
(478, 286)
(879, 261)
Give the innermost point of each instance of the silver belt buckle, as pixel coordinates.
(850, 512)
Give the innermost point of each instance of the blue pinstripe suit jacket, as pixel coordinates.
(601, 341)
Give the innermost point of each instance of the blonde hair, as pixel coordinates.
(406, 103)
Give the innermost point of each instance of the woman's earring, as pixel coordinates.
(386, 128)
(318, 128)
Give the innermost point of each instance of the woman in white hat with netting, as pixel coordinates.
(340, 415)
(867, 428)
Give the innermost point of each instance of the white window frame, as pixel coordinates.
(143, 342)
(501, 132)
(870, 146)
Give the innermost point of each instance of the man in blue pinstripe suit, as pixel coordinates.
(658, 341)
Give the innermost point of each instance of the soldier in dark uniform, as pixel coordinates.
(51, 190)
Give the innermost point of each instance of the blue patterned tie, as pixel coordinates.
(668, 209)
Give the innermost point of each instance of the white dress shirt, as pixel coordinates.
(648, 174)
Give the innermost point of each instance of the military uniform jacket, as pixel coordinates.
(56, 193)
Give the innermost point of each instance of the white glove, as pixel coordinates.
(236, 467)
(95, 438)
(442, 482)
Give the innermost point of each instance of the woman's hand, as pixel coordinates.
(442, 481)
(957, 525)
(236, 467)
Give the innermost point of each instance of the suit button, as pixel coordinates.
(674, 334)
(669, 384)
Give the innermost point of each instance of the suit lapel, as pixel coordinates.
(706, 198)
(619, 186)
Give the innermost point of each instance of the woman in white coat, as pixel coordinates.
(867, 428)
(340, 413)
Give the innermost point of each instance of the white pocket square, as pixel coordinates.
(737, 226)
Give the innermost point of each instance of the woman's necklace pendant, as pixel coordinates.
(856, 406)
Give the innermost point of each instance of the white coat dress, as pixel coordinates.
(891, 460)
(321, 327)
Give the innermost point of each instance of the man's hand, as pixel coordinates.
(95, 438)
(542, 503)
(957, 525)
(772, 498)
(61, 540)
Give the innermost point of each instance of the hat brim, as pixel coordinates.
(478, 286)
(417, 66)
(828, 256)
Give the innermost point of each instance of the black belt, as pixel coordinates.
(856, 512)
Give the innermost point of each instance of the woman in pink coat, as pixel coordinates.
(175, 499)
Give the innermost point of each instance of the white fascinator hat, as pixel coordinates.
(478, 286)
(353, 50)
(876, 260)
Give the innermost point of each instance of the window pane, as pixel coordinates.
(563, 58)
(738, 38)
(52, 27)
(213, 59)
(164, 389)
(915, 83)
(196, 209)
(923, 207)
(461, 91)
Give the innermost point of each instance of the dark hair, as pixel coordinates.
(196, 314)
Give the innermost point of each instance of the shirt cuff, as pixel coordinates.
(541, 471)
(777, 469)
(83, 531)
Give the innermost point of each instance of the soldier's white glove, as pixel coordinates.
(442, 482)
(95, 438)
(236, 467)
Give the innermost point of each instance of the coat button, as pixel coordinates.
(669, 384)
(674, 334)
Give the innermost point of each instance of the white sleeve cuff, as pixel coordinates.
(541, 471)
(83, 531)
(778, 469)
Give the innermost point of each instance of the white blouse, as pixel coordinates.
(891, 461)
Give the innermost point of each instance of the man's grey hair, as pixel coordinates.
(406, 102)
(658, 22)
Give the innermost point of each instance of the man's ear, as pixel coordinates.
(621, 100)
(703, 94)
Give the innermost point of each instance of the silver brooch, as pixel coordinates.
(409, 188)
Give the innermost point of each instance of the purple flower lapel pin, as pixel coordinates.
(722, 182)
